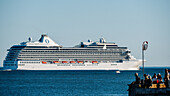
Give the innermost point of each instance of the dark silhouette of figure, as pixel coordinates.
(166, 78)
(147, 81)
(150, 80)
(137, 79)
(135, 83)
(159, 77)
(154, 78)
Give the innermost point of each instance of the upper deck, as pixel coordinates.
(47, 42)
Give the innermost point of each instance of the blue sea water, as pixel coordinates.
(68, 83)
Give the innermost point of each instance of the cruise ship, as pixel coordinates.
(45, 54)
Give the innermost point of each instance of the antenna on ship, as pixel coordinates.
(144, 47)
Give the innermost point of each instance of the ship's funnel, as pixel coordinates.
(45, 39)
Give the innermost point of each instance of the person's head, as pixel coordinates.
(166, 70)
(159, 75)
(154, 74)
(144, 75)
(136, 74)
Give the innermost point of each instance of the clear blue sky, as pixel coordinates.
(68, 22)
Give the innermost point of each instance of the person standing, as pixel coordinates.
(147, 81)
(166, 78)
(159, 77)
(154, 78)
(137, 79)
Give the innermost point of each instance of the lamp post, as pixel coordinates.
(144, 47)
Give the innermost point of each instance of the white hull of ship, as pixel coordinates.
(126, 65)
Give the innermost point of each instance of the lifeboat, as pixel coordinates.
(44, 62)
(64, 62)
(72, 62)
(79, 61)
(94, 62)
(56, 62)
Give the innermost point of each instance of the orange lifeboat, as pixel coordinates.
(44, 62)
(56, 62)
(72, 62)
(64, 62)
(79, 61)
(94, 62)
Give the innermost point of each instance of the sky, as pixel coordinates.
(68, 22)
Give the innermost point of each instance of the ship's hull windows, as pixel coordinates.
(53, 54)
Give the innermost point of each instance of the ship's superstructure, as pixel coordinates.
(45, 54)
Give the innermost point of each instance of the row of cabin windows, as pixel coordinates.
(79, 59)
(75, 51)
(85, 60)
(9, 64)
(14, 64)
(10, 57)
(71, 55)
(78, 51)
(29, 62)
(21, 64)
(113, 53)
(13, 53)
(53, 54)
(75, 57)
(113, 50)
(103, 60)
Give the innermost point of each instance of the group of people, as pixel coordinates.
(156, 79)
